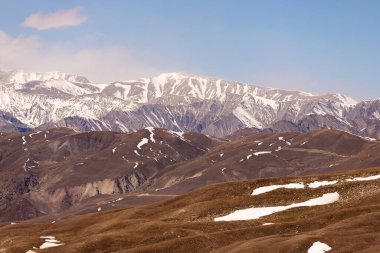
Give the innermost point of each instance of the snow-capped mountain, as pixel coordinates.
(176, 101)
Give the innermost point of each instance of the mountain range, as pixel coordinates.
(184, 163)
(175, 101)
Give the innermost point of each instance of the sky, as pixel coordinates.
(324, 46)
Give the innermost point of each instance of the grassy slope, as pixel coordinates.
(185, 223)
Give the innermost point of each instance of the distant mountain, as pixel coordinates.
(176, 101)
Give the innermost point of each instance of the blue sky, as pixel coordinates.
(317, 46)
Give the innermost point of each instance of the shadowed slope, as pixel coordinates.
(49, 171)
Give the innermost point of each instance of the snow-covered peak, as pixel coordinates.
(162, 101)
(174, 75)
(345, 100)
(181, 76)
(21, 77)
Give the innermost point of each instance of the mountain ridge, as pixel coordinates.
(56, 170)
(176, 101)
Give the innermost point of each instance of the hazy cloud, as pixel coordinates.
(63, 18)
(97, 64)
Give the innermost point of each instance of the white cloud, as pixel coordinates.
(97, 64)
(63, 18)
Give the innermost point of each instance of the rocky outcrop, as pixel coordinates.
(63, 198)
(120, 185)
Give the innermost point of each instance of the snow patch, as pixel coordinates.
(142, 142)
(319, 247)
(179, 134)
(31, 135)
(257, 212)
(369, 178)
(151, 136)
(262, 152)
(50, 242)
(269, 188)
(317, 184)
(369, 139)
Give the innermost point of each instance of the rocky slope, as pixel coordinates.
(50, 171)
(175, 101)
(264, 155)
(62, 172)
